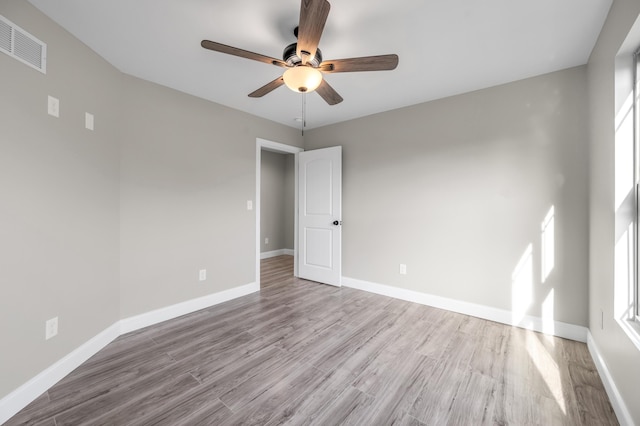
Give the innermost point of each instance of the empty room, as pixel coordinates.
(319, 212)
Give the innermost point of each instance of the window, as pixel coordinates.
(626, 283)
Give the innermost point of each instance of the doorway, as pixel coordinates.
(270, 147)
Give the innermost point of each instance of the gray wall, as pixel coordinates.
(187, 171)
(99, 226)
(276, 201)
(620, 355)
(458, 188)
(58, 200)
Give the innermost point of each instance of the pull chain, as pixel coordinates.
(304, 112)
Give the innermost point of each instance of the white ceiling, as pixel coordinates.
(446, 47)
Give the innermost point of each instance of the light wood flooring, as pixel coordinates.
(300, 353)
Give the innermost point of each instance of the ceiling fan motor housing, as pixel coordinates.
(292, 59)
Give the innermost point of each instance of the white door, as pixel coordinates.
(320, 215)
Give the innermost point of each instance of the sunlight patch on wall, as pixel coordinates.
(624, 152)
(548, 321)
(548, 243)
(522, 286)
(624, 275)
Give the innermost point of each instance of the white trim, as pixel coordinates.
(278, 147)
(11, 404)
(632, 329)
(619, 407)
(560, 329)
(296, 158)
(258, 207)
(169, 312)
(282, 149)
(274, 253)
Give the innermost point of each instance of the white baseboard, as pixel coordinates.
(620, 408)
(556, 328)
(169, 312)
(274, 253)
(28, 392)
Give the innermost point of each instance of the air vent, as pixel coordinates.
(19, 44)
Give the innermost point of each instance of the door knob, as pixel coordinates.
(336, 222)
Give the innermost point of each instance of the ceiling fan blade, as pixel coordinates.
(223, 48)
(313, 16)
(267, 88)
(328, 93)
(365, 63)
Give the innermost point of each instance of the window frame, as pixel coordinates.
(636, 179)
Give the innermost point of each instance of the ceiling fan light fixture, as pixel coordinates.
(302, 79)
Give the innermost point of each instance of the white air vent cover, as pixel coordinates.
(19, 44)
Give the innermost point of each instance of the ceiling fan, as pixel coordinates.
(303, 60)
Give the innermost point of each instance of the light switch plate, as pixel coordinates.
(249, 205)
(51, 328)
(88, 121)
(202, 275)
(53, 107)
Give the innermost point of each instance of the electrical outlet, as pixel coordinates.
(202, 274)
(403, 269)
(50, 328)
(266, 241)
(249, 205)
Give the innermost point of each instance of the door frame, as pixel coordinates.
(280, 148)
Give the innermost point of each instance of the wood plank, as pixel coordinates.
(214, 413)
(305, 409)
(346, 408)
(593, 405)
(137, 408)
(195, 406)
(284, 396)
